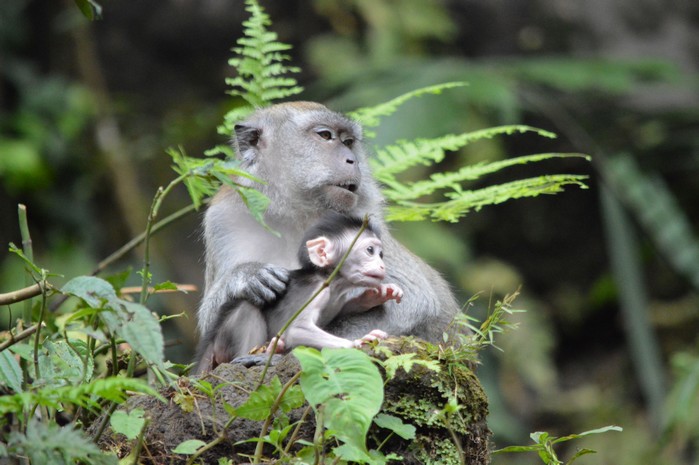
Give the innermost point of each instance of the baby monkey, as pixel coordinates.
(356, 288)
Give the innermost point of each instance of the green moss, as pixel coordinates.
(430, 451)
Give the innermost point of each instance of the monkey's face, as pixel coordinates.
(364, 266)
(332, 157)
(310, 157)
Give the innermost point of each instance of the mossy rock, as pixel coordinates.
(417, 397)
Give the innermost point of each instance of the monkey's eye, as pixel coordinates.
(381, 255)
(348, 142)
(325, 134)
(370, 250)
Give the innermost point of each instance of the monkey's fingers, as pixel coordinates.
(279, 348)
(374, 335)
(396, 292)
(391, 291)
(266, 285)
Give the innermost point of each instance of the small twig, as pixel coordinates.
(28, 250)
(272, 411)
(151, 290)
(139, 442)
(37, 372)
(128, 247)
(457, 442)
(152, 215)
(20, 294)
(318, 435)
(19, 337)
(103, 425)
(136, 241)
(297, 430)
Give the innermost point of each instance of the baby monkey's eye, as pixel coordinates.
(348, 142)
(370, 250)
(381, 255)
(325, 134)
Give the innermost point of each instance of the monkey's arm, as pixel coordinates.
(304, 331)
(240, 261)
(256, 283)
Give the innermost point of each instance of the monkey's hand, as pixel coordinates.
(374, 335)
(260, 284)
(373, 297)
(279, 349)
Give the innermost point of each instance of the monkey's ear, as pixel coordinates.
(247, 138)
(320, 251)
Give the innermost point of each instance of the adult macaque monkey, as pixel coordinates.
(312, 161)
(357, 287)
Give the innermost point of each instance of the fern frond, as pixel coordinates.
(461, 202)
(653, 203)
(259, 62)
(85, 395)
(452, 180)
(398, 157)
(370, 117)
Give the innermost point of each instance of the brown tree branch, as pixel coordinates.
(15, 339)
(20, 294)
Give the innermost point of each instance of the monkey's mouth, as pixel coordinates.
(348, 186)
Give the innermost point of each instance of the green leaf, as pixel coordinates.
(398, 157)
(131, 321)
(65, 363)
(10, 371)
(406, 362)
(462, 202)
(259, 404)
(396, 425)
(658, 212)
(189, 447)
(371, 116)
(94, 291)
(129, 424)
(348, 386)
(354, 454)
(138, 327)
(262, 75)
(90, 9)
(165, 286)
(48, 443)
(579, 454)
(517, 449)
(587, 433)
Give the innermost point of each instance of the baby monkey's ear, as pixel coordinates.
(321, 251)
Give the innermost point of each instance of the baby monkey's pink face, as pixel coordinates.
(364, 265)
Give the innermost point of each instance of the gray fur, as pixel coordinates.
(246, 262)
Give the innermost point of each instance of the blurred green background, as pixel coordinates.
(609, 275)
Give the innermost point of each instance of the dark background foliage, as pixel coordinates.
(87, 110)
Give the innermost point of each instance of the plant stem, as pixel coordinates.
(103, 425)
(295, 434)
(318, 436)
(155, 207)
(136, 241)
(123, 250)
(37, 337)
(139, 442)
(272, 411)
(145, 271)
(28, 250)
